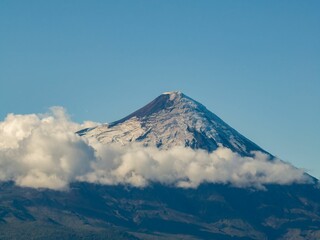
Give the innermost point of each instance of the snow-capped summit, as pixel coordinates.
(173, 119)
(173, 94)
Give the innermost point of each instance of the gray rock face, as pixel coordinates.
(173, 119)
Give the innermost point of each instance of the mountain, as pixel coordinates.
(173, 119)
(159, 211)
(211, 211)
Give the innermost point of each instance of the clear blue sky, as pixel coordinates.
(256, 64)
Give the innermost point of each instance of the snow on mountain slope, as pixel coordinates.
(173, 119)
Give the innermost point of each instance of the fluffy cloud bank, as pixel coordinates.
(43, 151)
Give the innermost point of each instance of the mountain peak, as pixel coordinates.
(173, 119)
(174, 94)
(164, 102)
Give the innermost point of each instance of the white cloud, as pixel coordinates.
(184, 167)
(42, 150)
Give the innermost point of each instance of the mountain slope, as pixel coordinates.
(163, 211)
(173, 119)
(212, 211)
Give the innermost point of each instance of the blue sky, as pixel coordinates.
(256, 64)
